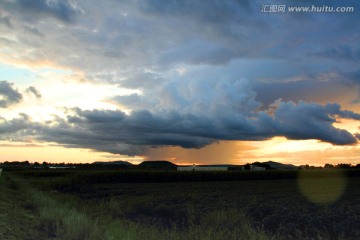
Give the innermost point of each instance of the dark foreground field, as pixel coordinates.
(73, 204)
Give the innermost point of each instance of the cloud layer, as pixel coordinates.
(228, 111)
(204, 72)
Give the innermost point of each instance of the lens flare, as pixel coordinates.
(323, 188)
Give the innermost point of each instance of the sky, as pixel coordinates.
(200, 82)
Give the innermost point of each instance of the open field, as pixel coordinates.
(73, 204)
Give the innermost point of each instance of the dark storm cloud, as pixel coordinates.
(117, 132)
(8, 94)
(222, 110)
(59, 9)
(312, 121)
(335, 109)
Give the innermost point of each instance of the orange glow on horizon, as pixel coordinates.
(35, 152)
(228, 152)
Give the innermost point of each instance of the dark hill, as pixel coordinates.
(114, 163)
(158, 164)
(276, 165)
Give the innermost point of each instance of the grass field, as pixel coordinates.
(72, 204)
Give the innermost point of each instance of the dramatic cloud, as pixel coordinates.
(125, 39)
(223, 110)
(312, 121)
(335, 109)
(8, 94)
(116, 132)
(186, 65)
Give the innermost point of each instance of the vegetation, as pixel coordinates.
(158, 165)
(17, 218)
(89, 204)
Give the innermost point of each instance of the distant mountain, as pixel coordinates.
(117, 163)
(157, 164)
(276, 165)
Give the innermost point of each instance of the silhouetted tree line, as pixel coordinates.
(36, 165)
(335, 166)
(46, 165)
(341, 165)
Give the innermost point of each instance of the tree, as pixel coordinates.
(343, 165)
(328, 165)
(45, 165)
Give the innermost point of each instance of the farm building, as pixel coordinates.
(256, 168)
(203, 168)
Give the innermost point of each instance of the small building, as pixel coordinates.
(257, 168)
(203, 168)
(60, 167)
(0, 171)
